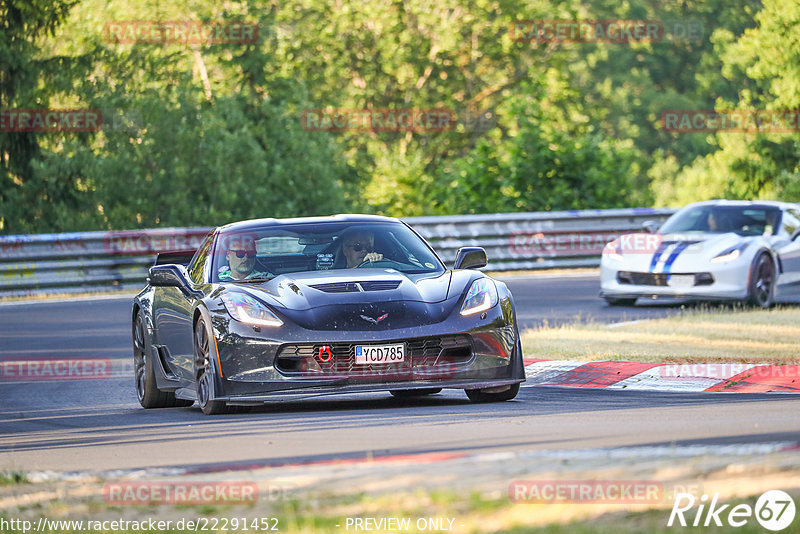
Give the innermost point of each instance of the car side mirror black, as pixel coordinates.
(651, 226)
(168, 275)
(470, 258)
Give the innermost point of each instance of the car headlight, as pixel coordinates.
(481, 296)
(729, 254)
(246, 309)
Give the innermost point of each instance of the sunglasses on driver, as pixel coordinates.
(358, 247)
(242, 253)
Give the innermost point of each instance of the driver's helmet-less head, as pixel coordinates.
(356, 244)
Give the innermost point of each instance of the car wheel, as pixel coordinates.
(498, 394)
(613, 301)
(146, 390)
(407, 393)
(205, 370)
(762, 282)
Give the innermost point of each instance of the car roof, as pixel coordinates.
(724, 202)
(346, 217)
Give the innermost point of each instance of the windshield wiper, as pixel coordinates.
(253, 280)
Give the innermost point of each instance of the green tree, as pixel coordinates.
(545, 164)
(752, 165)
(200, 133)
(193, 134)
(29, 79)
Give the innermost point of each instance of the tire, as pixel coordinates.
(205, 371)
(144, 374)
(488, 395)
(409, 393)
(614, 301)
(761, 288)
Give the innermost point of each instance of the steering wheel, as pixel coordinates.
(384, 263)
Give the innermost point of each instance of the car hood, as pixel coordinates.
(357, 300)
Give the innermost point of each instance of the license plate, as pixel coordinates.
(681, 280)
(366, 354)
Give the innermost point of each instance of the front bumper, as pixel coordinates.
(457, 353)
(727, 283)
(341, 389)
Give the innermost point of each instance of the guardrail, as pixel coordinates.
(99, 261)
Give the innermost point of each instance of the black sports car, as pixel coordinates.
(274, 309)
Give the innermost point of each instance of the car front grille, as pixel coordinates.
(660, 279)
(642, 279)
(435, 355)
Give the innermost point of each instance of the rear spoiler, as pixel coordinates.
(181, 257)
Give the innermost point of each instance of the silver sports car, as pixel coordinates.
(714, 250)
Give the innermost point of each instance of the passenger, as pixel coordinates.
(359, 247)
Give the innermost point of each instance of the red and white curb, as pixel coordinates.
(725, 377)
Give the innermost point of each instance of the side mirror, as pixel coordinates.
(650, 226)
(168, 275)
(470, 258)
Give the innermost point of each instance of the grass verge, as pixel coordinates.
(66, 295)
(12, 478)
(705, 335)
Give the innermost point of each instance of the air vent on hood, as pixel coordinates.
(355, 287)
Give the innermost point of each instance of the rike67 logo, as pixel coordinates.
(774, 510)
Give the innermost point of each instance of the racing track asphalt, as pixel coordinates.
(98, 425)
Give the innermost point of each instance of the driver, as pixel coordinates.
(718, 222)
(711, 222)
(359, 247)
(241, 256)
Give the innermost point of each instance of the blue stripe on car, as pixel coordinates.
(674, 256)
(657, 255)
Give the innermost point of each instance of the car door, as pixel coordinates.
(787, 246)
(173, 317)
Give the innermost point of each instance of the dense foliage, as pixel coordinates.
(202, 134)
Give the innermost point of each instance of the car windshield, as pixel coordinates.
(715, 219)
(262, 253)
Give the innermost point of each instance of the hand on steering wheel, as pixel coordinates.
(370, 258)
(373, 256)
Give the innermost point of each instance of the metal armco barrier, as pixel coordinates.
(85, 261)
(98, 261)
